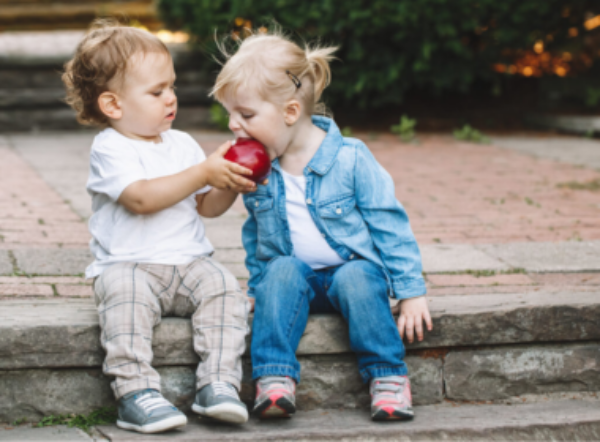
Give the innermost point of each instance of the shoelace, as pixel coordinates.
(388, 386)
(224, 389)
(271, 382)
(149, 403)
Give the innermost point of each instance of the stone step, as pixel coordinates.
(481, 349)
(549, 420)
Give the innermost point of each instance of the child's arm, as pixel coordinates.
(215, 202)
(150, 196)
(393, 238)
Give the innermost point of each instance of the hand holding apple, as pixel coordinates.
(252, 155)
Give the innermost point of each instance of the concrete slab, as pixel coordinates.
(457, 258)
(6, 267)
(53, 261)
(65, 333)
(572, 150)
(548, 257)
(553, 420)
(30, 433)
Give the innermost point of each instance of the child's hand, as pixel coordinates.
(413, 312)
(224, 174)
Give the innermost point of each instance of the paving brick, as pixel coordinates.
(26, 290)
(75, 291)
(53, 262)
(471, 280)
(6, 267)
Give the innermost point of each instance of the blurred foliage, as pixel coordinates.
(405, 129)
(389, 47)
(470, 134)
(219, 117)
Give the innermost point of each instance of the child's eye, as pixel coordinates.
(247, 116)
(157, 93)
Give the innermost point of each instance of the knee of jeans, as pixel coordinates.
(360, 280)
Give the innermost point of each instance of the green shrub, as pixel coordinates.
(467, 133)
(390, 47)
(405, 129)
(219, 117)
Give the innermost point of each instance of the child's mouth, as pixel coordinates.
(171, 116)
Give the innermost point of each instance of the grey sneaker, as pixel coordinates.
(219, 400)
(147, 411)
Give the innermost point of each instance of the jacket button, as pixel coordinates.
(338, 210)
(352, 256)
(308, 201)
(256, 204)
(323, 235)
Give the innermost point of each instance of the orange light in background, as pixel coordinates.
(239, 21)
(560, 71)
(172, 37)
(573, 32)
(512, 69)
(528, 71)
(567, 56)
(538, 47)
(592, 23)
(499, 67)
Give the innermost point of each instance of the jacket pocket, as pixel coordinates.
(340, 217)
(266, 218)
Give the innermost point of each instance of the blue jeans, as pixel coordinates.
(290, 290)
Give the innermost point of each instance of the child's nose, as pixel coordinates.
(171, 97)
(233, 125)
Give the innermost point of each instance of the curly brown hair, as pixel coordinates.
(100, 57)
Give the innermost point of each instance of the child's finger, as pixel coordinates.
(240, 170)
(410, 329)
(241, 181)
(428, 321)
(419, 329)
(401, 324)
(223, 148)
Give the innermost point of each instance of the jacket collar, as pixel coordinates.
(327, 152)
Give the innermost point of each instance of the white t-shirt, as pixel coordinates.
(172, 236)
(309, 244)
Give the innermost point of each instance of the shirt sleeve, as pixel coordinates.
(113, 167)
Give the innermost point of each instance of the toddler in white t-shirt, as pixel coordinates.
(149, 184)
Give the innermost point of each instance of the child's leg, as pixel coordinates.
(283, 297)
(359, 292)
(219, 318)
(129, 309)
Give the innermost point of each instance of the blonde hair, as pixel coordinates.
(101, 56)
(275, 65)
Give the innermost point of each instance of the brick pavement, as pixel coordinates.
(454, 192)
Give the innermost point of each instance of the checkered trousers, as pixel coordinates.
(132, 298)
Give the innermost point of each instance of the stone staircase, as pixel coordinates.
(32, 93)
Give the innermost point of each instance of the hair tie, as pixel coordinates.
(294, 79)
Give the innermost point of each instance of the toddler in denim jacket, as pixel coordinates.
(325, 234)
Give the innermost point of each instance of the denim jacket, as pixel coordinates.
(351, 200)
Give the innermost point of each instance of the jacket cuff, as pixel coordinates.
(403, 289)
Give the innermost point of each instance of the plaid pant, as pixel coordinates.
(132, 297)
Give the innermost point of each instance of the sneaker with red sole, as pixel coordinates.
(275, 397)
(391, 398)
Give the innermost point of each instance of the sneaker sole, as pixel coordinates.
(228, 412)
(156, 427)
(280, 408)
(396, 415)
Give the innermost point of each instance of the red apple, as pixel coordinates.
(251, 154)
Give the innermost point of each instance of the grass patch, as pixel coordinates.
(102, 416)
(487, 273)
(592, 185)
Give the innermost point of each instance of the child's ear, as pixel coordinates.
(292, 112)
(109, 105)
